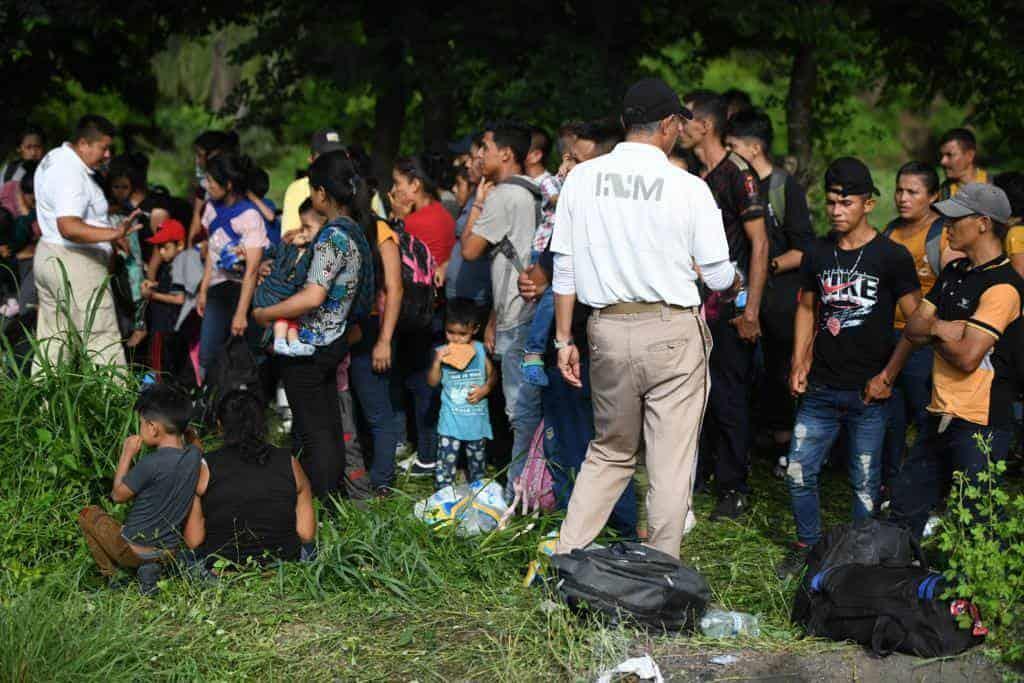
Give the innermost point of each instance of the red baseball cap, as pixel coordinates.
(169, 231)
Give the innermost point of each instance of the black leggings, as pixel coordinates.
(312, 387)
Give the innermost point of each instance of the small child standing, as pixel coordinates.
(288, 275)
(167, 350)
(165, 484)
(466, 376)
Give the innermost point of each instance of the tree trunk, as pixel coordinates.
(389, 113)
(802, 81)
(221, 81)
(438, 116)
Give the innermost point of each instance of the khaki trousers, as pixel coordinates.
(84, 302)
(106, 544)
(649, 377)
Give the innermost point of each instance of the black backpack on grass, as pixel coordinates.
(630, 581)
(891, 609)
(867, 541)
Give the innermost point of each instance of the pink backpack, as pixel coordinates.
(536, 485)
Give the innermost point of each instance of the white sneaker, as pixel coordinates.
(281, 347)
(690, 522)
(300, 349)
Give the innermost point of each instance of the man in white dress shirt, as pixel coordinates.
(73, 258)
(629, 229)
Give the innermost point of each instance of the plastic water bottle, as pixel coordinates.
(719, 624)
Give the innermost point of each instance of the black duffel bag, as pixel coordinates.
(867, 541)
(891, 609)
(632, 581)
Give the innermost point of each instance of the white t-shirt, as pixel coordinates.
(64, 187)
(634, 225)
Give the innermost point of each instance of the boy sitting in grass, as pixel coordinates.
(165, 484)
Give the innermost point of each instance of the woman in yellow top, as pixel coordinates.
(370, 373)
(921, 231)
(1012, 183)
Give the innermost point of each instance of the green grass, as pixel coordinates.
(388, 599)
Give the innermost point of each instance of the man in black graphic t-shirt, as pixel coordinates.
(734, 327)
(852, 282)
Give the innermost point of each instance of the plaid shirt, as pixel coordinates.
(550, 186)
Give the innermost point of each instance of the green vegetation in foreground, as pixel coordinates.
(388, 599)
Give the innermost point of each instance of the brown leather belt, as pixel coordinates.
(632, 307)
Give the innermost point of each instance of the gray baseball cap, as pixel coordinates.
(976, 199)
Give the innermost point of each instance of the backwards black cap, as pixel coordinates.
(651, 99)
(847, 175)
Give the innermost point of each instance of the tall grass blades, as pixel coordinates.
(62, 428)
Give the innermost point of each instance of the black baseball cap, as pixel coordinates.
(326, 140)
(651, 99)
(847, 175)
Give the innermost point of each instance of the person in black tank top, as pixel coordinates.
(259, 501)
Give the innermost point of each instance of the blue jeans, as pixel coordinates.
(821, 413)
(414, 354)
(922, 482)
(543, 321)
(908, 406)
(378, 399)
(522, 400)
(221, 302)
(569, 428)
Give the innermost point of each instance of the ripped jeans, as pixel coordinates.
(822, 411)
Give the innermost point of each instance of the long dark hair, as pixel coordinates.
(338, 176)
(426, 168)
(238, 170)
(244, 426)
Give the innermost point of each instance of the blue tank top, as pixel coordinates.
(459, 419)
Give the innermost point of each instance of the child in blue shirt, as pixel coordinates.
(291, 259)
(464, 416)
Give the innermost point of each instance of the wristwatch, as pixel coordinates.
(559, 345)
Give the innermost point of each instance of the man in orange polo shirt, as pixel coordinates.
(972, 320)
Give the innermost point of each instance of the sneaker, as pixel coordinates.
(732, 505)
(781, 466)
(382, 492)
(281, 347)
(690, 522)
(422, 469)
(533, 373)
(794, 563)
(300, 349)
(405, 464)
(148, 575)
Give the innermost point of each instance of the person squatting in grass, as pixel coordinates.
(259, 502)
(164, 486)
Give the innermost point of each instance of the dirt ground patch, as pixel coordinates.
(846, 664)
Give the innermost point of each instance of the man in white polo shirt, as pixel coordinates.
(629, 229)
(76, 234)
